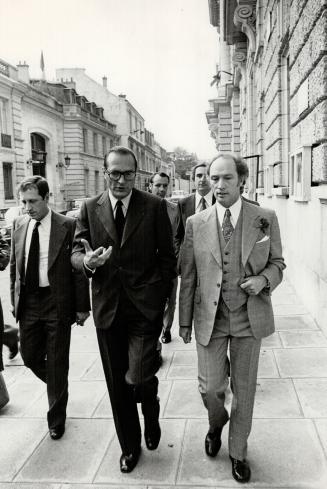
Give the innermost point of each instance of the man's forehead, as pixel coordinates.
(117, 159)
(158, 180)
(29, 193)
(224, 164)
(200, 170)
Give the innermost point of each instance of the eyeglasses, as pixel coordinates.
(115, 175)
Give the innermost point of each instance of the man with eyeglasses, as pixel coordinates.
(124, 242)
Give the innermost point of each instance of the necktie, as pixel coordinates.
(227, 226)
(203, 204)
(32, 269)
(119, 220)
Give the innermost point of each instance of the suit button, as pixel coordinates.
(226, 262)
(215, 303)
(224, 290)
(225, 271)
(218, 285)
(226, 252)
(224, 281)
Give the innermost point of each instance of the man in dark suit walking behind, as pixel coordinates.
(124, 241)
(46, 295)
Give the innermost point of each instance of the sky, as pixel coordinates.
(161, 53)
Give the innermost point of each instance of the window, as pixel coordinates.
(104, 145)
(85, 142)
(7, 180)
(4, 125)
(86, 182)
(300, 174)
(96, 181)
(95, 144)
(39, 155)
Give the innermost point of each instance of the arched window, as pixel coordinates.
(39, 154)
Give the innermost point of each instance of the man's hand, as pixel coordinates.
(12, 310)
(253, 285)
(96, 258)
(81, 317)
(186, 334)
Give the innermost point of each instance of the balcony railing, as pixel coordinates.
(5, 140)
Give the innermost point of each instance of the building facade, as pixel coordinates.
(129, 122)
(271, 107)
(50, 130)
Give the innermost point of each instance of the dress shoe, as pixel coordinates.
(128, 462)
(13, 350)
(212, 442)
(152, 431)
(241, 470)
(57, 432)
(166, 337)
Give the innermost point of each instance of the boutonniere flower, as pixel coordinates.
(262, 223)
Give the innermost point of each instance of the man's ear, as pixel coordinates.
(46, 197)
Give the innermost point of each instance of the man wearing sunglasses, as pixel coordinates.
(124, 242)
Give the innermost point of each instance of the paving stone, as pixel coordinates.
(321, 425)
(84, 398)
(267, 365)
(84, 342)
(276, 398)
(284, 299)
(282, 453)
(166, 363)
(302, 362)
(101, 486)
(22, 395)
(182, 372)
(285, 309)
(80, 363)
(18, 440)
(272, 341)
(305, 339)
(284, 323)
(312, 394)
(185, 401)
(94, 372)
(154, 467)
(12, 373)
(18, 485)
(185, 358)
(104, 408)
(73, 458)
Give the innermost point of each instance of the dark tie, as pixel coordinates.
(203, 204)
(227, 226)
(32, 269)
(119, 219)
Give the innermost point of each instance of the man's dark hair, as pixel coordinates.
(241, 166)
(37, 182)
(121, 150)
(198, 165)
(161, 174)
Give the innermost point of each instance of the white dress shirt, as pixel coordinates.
(44, 239)
(235, 210)
(207, 198)
(125, 202)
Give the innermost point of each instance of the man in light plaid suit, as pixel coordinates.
(231, 262)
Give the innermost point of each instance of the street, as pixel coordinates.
(287, 445)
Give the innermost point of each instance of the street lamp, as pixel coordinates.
(60, 164)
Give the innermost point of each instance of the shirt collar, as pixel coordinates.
(125, 201)
(235, 210)
(207, 198)
(46, 221)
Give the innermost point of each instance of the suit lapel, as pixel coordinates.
(210, 233)
(20, 239)
(134, 215)
(189, 207)
(105, 214)
(57, 235)
(250, 230)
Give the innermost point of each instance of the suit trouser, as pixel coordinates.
(130, 360)
(231, 329)
(170, 307)
(44, 343)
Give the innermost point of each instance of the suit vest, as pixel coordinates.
(233, 270)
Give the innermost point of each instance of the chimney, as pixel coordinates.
(104, 82)
(122, 95)
(23, 72)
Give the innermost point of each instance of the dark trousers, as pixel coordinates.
(130, 361)
(44, 343)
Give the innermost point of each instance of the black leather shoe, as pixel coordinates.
(57, 432)
(152, 431)
(166, 337)
(240, 470)
(212, 442)
(13, 350)
(128, 462)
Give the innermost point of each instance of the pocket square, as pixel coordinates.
(265, 238)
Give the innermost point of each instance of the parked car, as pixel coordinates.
(177, 195)
(75, 210)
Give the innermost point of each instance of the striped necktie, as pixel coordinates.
(227, 226)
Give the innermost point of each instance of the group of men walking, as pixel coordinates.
(133, 245)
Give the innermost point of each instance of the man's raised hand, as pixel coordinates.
(96, 258)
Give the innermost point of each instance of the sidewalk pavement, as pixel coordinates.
(287, 445)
